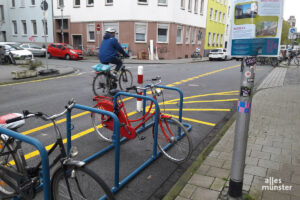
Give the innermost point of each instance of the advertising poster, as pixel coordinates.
(256, 27)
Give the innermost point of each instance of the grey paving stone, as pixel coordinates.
(180, 198)
(273, 195)
(205, 194)
(268, 164)
(215, 162)
(251, 161)
(187, 191)
(259, 154)
(248, 178)
(202, 181)
(273, 150)
(218, 184)
(203, 169)
(246, 187)
(283, 145)
(281, 158)
(295, 179)
(256, 147)
(227, 164)
(214, 154)
(225, 156)
(284, 175)
(218, 172)
(255, 170)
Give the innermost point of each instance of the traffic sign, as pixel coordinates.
(293, 30)
(98, 27)
(44, 5)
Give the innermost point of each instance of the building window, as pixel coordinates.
(76, 3)
(223, 18)
(224, 2)
(216, 15)
(214, 39)
(182, 4)
(13, 3)
(190, 6)
(199, 37)
(228, 10)
(33, 2)
(34, 28)
(22, 5)
(91, 32)
(196, 7)
(217, 43)
(162, 33)
(1, 13)
(140, 32)
(187, 35)
(24, 25)
(220, 17)
(113, 25)
(211, 14)
(45, 27)
(15, 27)
(162, 2)
(209, 39)
(221, 40)
(201, 7)
(227, 27)
(109, 2)
(143, 2)
(60, 3)
(193, 35)
(90, 2)
(179, 34)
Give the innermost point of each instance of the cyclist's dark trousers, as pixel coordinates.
(118, 62)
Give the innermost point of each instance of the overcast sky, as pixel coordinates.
(292, 7)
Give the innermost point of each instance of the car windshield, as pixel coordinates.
(216, 50)
(35, 46)
(69, 46)
(13, 47)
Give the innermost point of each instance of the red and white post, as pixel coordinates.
(139, 102)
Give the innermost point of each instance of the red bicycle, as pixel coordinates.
(170, 130)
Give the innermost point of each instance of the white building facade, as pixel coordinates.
(227, 38)
(176, 27)
(24, 21)
(4, 24)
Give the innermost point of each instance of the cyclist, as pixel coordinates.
(109, 49)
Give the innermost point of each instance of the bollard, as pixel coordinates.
(139, 102)
(242, 127)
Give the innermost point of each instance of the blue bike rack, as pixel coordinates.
(43, 153)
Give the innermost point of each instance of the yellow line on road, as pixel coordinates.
(194, 120)
(196, 109)
(39, 80)
(204, 101)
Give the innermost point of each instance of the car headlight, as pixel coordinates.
(73, 52)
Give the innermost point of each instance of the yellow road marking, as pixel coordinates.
(204, 101)
(194, 120)
(196, 109)
(39, 80)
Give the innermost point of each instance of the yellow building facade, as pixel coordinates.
(215, 24)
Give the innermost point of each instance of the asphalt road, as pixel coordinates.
(211, 91)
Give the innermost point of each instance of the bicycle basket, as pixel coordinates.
(101, 67)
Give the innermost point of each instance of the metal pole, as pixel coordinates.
(62, 23)
(46, 45)
(241, 129)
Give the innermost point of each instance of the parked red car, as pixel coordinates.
(62, 50)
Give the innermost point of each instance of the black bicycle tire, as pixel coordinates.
(60, 172)
(101, 135)
(106, 85)
(17, 157)
(131, 77)
(165, 153)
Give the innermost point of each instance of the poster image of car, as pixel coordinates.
(247, 10)
(266, 29)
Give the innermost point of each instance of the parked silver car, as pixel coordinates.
(17, 52)
(34, 48)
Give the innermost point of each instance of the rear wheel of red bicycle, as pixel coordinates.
(174, 144)
(98, 121)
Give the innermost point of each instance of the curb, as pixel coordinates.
(38, 78)
(183, 180)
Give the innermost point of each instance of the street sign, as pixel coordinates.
(44, 5)
(292, 33)
(292, 30)
(98, 27)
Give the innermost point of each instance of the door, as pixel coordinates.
(77, 41)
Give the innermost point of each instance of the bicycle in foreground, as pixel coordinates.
(103, 81)
(71, 180)
(170, 130)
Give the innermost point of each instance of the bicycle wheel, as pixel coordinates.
(78, 183)
(168, 134)
(11, 159)
(125, 79)
(101, 84)
(97, 121)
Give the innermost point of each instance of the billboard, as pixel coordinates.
(256, 27)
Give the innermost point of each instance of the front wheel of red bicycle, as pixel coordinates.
(173, 140)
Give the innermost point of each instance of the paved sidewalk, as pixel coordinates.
(273, 151)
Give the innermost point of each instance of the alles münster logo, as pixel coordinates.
(274, 184)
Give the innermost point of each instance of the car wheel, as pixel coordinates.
(225, 58)
(210, 59)
(49, 55)
(67, 57)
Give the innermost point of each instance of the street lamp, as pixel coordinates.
(62, 22)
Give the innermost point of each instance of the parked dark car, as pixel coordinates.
(62, 50)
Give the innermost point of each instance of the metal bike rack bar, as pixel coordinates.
(43, 153)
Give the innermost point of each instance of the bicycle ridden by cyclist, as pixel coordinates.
(109, 49)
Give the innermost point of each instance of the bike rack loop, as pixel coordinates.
(44, 157)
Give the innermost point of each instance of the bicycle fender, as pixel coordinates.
(77, 163)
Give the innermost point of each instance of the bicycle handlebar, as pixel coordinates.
(136, 88)
(43, 116)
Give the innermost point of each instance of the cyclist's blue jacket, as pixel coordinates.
(109, 49)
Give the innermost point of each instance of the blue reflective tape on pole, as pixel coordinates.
(43, 153)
